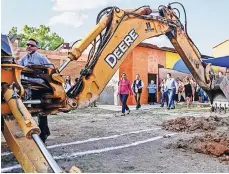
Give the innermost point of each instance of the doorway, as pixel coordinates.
(154, 78)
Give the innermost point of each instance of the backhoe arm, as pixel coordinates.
(124, 30)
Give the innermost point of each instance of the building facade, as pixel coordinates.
(151, 63)
(222, 49)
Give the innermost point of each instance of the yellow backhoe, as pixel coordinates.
(117, 32)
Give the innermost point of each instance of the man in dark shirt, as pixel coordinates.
(137, 89)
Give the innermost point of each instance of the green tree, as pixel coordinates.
(43, 34)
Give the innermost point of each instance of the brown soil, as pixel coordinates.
(195, 123)
(216, 144)
(213, 144)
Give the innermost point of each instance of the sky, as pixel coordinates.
(208, 22)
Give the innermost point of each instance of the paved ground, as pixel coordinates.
(100, 140)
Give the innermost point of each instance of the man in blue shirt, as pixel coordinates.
(152, 92)
(34, 58)
(171, 88)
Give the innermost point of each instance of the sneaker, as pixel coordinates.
(122, 114)
(128, 112)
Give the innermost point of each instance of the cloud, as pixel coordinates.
(77, 5)
(68, 18)
(72, 11)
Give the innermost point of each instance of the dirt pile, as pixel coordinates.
(195, 123)
(213, 144)
(216, 144)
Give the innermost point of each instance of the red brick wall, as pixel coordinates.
(73, 69)
(140, 66)
(142, 61)
(155, 58)
(55, 62)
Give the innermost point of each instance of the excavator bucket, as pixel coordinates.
(219, 95)
(224, 86)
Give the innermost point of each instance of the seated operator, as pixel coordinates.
(34, 58)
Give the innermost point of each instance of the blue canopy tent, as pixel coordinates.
(181, 67)
(219, 61)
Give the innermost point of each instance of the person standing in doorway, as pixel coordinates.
(137, 88)
(124, 89)
(152, 92)
(171, 88)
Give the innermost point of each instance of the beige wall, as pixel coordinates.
(222, 49)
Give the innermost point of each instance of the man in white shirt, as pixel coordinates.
(171, 88)
(137, 89)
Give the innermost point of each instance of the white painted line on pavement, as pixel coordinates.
(100, 138)
(91, 140)
(6, 153)
(110, 148)
(97, 151)
(7, 169)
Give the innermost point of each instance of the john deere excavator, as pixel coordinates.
(117, 32)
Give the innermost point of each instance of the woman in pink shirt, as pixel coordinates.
(124, 89)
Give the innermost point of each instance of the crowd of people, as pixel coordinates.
(172, 90)
(182, 90)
